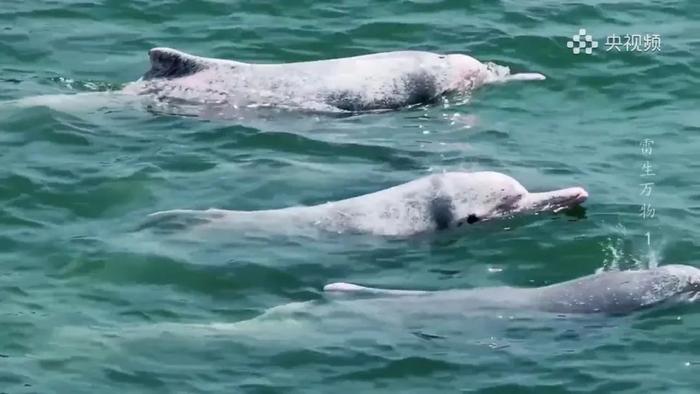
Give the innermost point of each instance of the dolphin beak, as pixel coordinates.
(554, 201)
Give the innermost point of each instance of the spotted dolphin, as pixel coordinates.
(381, 81)
(428, 204)
(179, 83)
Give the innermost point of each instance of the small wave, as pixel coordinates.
(84, 86)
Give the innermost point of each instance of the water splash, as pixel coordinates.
(84, 86)
(625, 252)
(614, 252)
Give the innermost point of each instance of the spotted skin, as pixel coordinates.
(376, 82)
(433, 203)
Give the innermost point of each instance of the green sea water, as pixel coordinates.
(93, 303)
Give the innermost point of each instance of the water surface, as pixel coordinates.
(92, 304)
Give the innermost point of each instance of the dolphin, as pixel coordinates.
(363, 309)
(179, 83)
(373, 82)
(425, 205)
(608, 292)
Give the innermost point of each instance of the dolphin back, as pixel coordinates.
(620, 292)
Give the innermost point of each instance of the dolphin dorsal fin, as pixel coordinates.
(170, 63)
(342, 287)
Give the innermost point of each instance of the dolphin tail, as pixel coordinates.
(73, 102)
(342, 287)
(160, 215)
(181, 218)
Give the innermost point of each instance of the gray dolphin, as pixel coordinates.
(610, 292)
(381, 81)
(435, 202)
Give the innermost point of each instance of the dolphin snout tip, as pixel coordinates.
(525, 77)
(537, 77)
(341, 287)
(580, 195)
(565, 198)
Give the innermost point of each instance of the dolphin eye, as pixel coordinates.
(471, 219)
